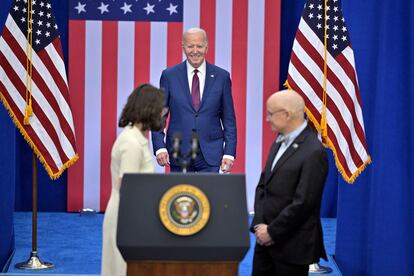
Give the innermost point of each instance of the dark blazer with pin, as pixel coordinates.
(214, 123)
(288, 200)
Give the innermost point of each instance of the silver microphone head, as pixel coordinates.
(194, 145)
(176, 145)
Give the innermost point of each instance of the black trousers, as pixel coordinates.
(265, 265)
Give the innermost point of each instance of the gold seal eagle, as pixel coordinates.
(184, 209)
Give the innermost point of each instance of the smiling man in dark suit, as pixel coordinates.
(200, 103)
(288, 196)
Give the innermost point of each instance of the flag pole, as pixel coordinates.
(34, 261)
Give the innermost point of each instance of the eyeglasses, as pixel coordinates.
(270, 114)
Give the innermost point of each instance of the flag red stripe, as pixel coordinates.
(317, 116)
(208, 23)
(142, 53)
(306, 74)
(37, 110)
(312, 81)
(333, 79)
(339, 154)
(346, 98)
(239, 76)
(57, 44)
(313, 54)
(308, 103)
(29, 130)
(349, 69)
(345, 128)
(41, 84)
(316, 57)
(66, 128)
(77, 92)
(270, 67)
(60, 82)
(309, 49)
(108, 104)
(174, 37)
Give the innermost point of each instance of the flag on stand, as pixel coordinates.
(33, 84)
(322, 70)
(116, 45)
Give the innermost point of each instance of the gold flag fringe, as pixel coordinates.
(51, 174)
(350, 179)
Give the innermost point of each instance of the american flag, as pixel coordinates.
(341, 103)
(33, 84)
(116, 45)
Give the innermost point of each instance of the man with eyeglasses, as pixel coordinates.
(289, 193)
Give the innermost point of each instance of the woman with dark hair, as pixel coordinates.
(130, 154)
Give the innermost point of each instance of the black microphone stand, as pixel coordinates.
(184, 160)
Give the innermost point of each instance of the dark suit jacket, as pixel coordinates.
(288, 200)
(216, 109)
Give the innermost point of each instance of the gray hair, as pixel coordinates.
(194, 31)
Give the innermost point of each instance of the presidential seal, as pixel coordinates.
(184, 210)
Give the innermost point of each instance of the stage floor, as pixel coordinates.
(73, 242)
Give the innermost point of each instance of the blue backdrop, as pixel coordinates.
(16, 160)
(376, 213)
(52, 194)
(7, 180)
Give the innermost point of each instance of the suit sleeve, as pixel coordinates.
(258, 204)
(157, 137)
(307, 197)
(228, 119)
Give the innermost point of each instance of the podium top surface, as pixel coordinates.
(142, 236)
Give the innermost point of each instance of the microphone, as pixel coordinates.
(194, 145)
(176, 145)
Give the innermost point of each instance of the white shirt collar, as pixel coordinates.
(290, 137)
(201, 69)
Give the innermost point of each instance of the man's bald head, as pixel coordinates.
(289, 102)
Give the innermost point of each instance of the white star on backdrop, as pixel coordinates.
(80, 7)
(172, 9)
(126, 8)
(103, 8)
(149, 8)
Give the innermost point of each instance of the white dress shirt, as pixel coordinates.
(202, 80)
(287, 141)
(201, 76)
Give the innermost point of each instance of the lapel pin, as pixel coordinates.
(211, 76)
(295, 146)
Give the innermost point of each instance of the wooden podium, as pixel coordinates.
(151, 249)
(138, 268)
